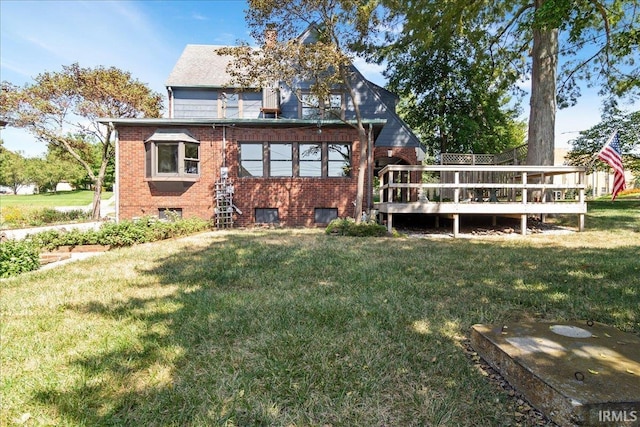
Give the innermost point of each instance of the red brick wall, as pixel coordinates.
(295, 198)
(139, 196)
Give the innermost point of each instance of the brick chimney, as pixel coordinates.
(270, 36)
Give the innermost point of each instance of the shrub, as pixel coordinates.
(18, 257)
(124, 233)
(12, 215)
(349, 227)
(36, 217)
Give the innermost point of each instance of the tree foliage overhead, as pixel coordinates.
(593, 41)
(62, 109)
(453, 96)
(324, 64)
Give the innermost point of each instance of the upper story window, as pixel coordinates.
(173, 155)
(230, 105)
(312, 107)
(315, 160)
(334, 107)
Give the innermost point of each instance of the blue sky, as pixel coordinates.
(146, 38)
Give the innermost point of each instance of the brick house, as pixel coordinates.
(257, 155)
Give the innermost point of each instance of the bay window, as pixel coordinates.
(172, 155)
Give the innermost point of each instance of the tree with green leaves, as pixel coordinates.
(451, 95)
(13, 170)
(588, 144)
(326, 64)
(558, 43)
(48, 171)
(62, 109)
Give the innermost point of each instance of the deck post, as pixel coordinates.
(381, 189)
(582, 177)
(390, 222)
(523, 218)
(456, 225)
(543, 199)
(456, 191)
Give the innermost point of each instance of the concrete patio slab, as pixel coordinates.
(576, 373)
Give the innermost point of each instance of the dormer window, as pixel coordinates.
(312, 107)
(172, 155)
(230, 105)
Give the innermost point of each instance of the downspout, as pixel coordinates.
(370, 169)
(224, 146)
(170, 91)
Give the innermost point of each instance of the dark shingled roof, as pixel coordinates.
(200, 65)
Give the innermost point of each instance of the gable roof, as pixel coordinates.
(200, 66)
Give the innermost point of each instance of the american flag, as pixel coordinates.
(612, 155)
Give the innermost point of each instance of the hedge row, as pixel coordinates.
(21, 256)
(123, 233)
(16, 217)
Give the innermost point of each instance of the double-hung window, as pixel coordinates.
(251, 159)
(280, 159)
(312, 107)
(339, 160)
(230, 103)
(172, 154)
(310, 160)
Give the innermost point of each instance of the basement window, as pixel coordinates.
(325, 215)
(172, 155)
(267, 216)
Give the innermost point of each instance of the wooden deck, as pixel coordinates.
(480, 190)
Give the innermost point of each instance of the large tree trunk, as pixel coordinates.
(542, 116)
(97, 198)
(362, 172)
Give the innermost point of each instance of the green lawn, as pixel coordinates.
(297, 328)
(50, 200)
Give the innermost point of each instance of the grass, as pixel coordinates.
(50, 200)
(297, 328)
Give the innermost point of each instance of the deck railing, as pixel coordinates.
(514, 156)
(495, 190)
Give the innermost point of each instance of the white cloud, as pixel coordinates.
(372, 72)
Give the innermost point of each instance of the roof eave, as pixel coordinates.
(235, 122)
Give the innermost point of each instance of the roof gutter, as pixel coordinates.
(237, 122)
